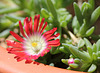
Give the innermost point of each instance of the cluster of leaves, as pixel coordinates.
(74, 45)
(84, 18)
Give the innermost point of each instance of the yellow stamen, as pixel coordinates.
(34, 44)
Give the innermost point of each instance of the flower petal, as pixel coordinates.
(27, 26)
(36, 22)
(21, 29)
(14, 49)
(34, 57)
(14, 44)
(17, 36)
(44, 27)
(49, 33)
(42, 22)
(31, 25)
(52, 37)
(54, 42)
(28, 61)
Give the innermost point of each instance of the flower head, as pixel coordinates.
(34, 43)
(71, 61)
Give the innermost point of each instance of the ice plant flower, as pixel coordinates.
(34, 42)
(71, 61)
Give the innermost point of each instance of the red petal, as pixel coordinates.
(36, 63)
(31, 25)
(14, 49)
(36, 22)
(9, 49)
(17, 36)
(27, 26)
(14, 44)
(49, 33)
(21, 29)
(20, 54)
(35, 57)
(54, 42)
(19, 59)
(52, 37)
(44, 27)
(54, 45)
(41, 24)
(28, 61)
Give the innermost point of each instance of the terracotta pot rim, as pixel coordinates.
(9, 65)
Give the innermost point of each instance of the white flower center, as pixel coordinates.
(35, 44)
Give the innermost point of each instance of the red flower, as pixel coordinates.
(34, 44)
(71, 61)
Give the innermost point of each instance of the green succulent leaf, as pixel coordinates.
(77, 60)
(94, 56)
(92, 3)
(69, 68)
(4, 33)
(90, 31)
(94, 48)
(55, 50)
(9, 10)
(63, 24)
(51, 64)
(65, 61)
(95, 15)
(98, 45)
(86, 10)
(92, 68)
(13, 18)
(98, 53)
(81, 43)
(17, 2)
(90, 50)
(78, 13)
(45, 13)
(52, 8)
(82, 55)
(75, 25)
(87, 43)
(83, 28)
(62, 49)
(74, 66)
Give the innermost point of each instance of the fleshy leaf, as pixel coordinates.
(98, 53)
(45, 13)
(98, 45)
(74, 66)
(92, 68)
(52, 8)
(82, 55)
(14, 18)
(65, 61)
(95, 15)
(78, 13)
(4, 33)
(90, 31)
(87, 43)
(55, 50)
(90, 50)
(81, 43)
(94, 56)
(86, 10)
(62, 49)
(77, 60)
(92, 3)
(94, 48)
(9, 10)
